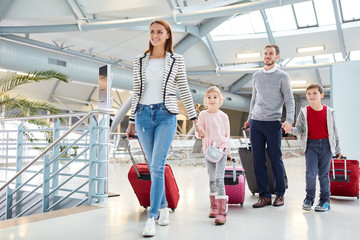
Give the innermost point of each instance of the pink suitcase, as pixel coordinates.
(235, 184)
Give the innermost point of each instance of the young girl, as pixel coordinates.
(216, 126)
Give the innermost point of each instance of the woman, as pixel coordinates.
(156, 73)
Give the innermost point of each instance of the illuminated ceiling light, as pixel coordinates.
(298, 82)
(311, 49)
(299, 89)
(247, 55)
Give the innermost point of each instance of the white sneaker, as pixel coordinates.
(149, 229)
(164, 217)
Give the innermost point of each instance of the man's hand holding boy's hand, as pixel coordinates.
(287, 127)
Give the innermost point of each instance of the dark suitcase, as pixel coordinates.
(344, 178)
(140, 180)
(234, 180)
(247, 162)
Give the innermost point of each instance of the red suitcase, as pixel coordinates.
(344, 178)
(139, 178)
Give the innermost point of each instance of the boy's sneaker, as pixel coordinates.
(323, 205)
(307, 204)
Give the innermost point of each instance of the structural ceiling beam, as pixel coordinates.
(174, 18)
(339, 29)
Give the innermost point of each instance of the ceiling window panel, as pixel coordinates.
(350, 10)
(257, 22)
(242, 25)
(223, 29)
(325, 58)
(338, 57)
(305, 14)
(324, 12)
(354, 55)
(297, 61)
(281, 18)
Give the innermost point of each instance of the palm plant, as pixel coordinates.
(18, 106)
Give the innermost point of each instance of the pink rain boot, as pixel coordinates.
(221, 202)
(213, 206)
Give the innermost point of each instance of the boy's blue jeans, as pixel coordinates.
(318, 159)
(155, 127)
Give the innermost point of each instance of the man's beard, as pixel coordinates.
(269, 63)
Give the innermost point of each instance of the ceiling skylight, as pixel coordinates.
(305, 14)
(350, 10)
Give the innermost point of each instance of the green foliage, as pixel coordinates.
(18, 106)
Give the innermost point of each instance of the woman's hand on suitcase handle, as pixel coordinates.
(339, 156)
(130, 131)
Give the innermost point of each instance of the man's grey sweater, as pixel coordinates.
(270, 91)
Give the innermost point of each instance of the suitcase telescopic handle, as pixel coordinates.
(234, 169)
(246, 139)
(131, 157)
(333, 166)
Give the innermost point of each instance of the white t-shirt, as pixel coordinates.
(153, 82)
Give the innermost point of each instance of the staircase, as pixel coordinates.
(38, 175)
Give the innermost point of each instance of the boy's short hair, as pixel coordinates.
(277, 49)
(214, 89)
(315, 85)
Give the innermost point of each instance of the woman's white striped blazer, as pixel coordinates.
(174, 74)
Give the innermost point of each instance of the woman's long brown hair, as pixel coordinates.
(169, 41)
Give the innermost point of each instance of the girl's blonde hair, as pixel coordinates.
(214, 89)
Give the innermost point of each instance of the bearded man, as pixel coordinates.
(271, 89)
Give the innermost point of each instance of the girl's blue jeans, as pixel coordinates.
(216, 173)
(155, 127)
(318, 159)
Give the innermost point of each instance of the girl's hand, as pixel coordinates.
(228, 158)
(200, 131)
(130, 131)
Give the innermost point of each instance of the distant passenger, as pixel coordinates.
(156, 75)
(271, 88)
(217, 134)
(316, 127)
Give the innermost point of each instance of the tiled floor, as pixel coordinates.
(123, 218)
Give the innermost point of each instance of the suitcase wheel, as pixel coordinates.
(253, 193)
(357, 196)
(145, 207)
(173, 209)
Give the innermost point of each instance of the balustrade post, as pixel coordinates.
(19, 152)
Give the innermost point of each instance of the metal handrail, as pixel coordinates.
(78, 123)
(50, 116)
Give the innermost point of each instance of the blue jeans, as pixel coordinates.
(318, 159)
(155, 127)
(267, 135)
(216, 173)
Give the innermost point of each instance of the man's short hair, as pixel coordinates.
(277, 49)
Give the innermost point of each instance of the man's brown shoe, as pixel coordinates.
(262, 202)
(279, 201)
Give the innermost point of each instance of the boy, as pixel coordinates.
(316, 127)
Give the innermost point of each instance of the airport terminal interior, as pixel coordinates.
(66, 80)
